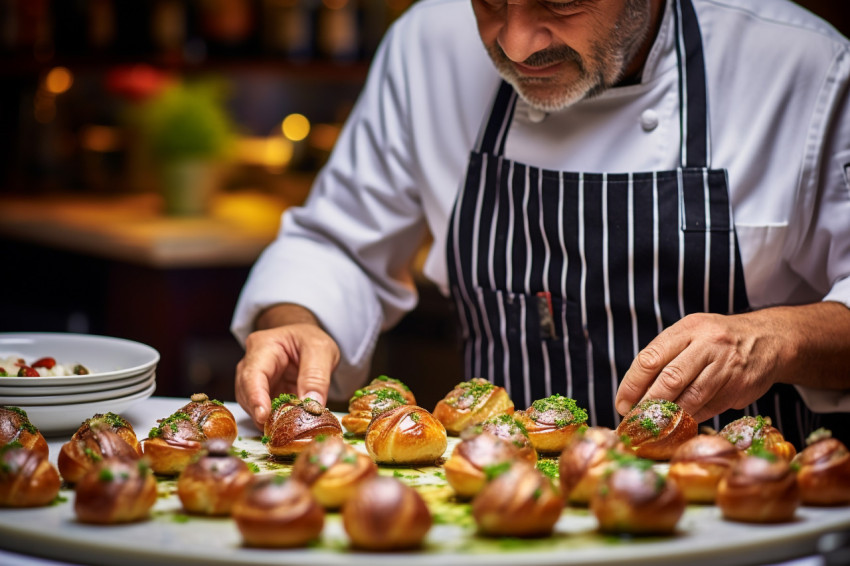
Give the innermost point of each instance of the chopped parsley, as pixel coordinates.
(471, 391)
(549, 468)
(569, 412)
(495, 470)
(283, 399)
(384, 378)
(170, 422)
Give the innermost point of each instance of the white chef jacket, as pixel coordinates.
(779, 105)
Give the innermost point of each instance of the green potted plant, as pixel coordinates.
(189, 136)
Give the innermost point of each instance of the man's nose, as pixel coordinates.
(523, 32)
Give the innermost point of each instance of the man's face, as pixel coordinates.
(558, 52)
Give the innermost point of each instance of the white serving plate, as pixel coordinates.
(23, 401)
(106, 357)
(62, 419)
(72, 389)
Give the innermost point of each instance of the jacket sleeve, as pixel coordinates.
(346, 254)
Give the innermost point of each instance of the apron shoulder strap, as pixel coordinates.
(492, 138)
(693, 93)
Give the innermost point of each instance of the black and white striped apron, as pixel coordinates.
(560, 278)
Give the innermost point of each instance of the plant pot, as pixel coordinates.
(188, 186)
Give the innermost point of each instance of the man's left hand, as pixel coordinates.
(708, 363)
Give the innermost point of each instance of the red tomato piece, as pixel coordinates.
(47, 363)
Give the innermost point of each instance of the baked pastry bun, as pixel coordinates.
(551, 422)
(178, 440)
(698, 465)
(27, 478)
(584, 460)
(98, 438)
(655, 428)
(212, 417)
(15, 427)
(332, 470)
(385, 514)
(476, 458)
(405, 435)
(381, 394)
(294, 423)
(823, 470)
(633, 498)
(470, 403)
(759, 488)
(115, 491)
(211, 484)
(519, 502)
(757, 433)
(276, 512)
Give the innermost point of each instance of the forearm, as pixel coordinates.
(818, 344)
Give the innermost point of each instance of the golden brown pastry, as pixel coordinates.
(756, 433)
(15, 426)
(381, 394)
(470, 403)
(27, 478)
(115, 491)
(655, 428)
(276, 512)
(294, 423)
(759, 488)
(333, 470)
(519, 502)
(584, 460)
(178, 439)
(99, 437)
(633, 498)
(405, 435)
(551, 422)
(212, 484)
(823, 470)
(698, 465)
(385, 514)
(476, 458)
(212, 417)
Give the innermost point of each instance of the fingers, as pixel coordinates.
(257, 372)
(298, 358)
(649, 366)
(317, 361)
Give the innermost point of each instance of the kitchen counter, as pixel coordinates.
(131, 228)
(704, 538)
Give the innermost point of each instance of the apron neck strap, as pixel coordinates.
(693, 106)
(492, 139)
(693, 93)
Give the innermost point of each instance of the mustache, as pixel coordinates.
(547, 56)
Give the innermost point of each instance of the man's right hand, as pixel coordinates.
(289, 353)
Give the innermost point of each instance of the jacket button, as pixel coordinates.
(649, 120)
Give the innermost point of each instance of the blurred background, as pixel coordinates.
(147, 150)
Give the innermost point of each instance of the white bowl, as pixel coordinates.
(107, 358)
(23, 401)
(53, 420)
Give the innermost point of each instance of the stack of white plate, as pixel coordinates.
(122, 372)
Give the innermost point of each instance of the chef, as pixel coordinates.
(625, 199)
